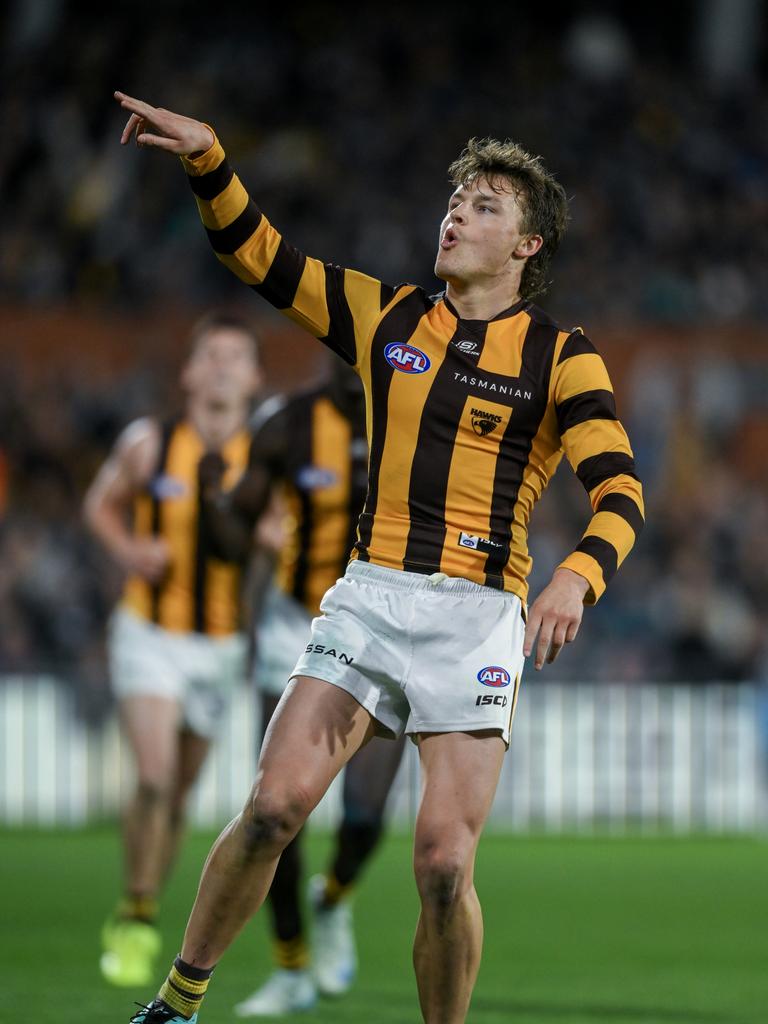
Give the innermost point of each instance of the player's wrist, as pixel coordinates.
(206, 140)
(572, 579)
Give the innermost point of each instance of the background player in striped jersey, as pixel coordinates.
(175, 647)
(472, 398)
(310, 450)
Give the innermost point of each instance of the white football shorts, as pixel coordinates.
(282, 634)
(420, 653)
(200, 672)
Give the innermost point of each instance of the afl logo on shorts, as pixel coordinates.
(406, 358)
(494, 675)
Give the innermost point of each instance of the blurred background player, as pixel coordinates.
(175, 648)
(310, 451)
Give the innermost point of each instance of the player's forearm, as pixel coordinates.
(240, 233)
(108, 524)
(610, 535)
(309, 292)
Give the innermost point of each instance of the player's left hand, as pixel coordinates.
(555, 616)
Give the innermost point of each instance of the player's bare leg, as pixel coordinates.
(129, 939)
(192, 753)
(460, 773)
(313, 733)
(151, 725)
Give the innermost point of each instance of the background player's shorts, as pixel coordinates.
(200, 672)
(420, 653)
(281, 635)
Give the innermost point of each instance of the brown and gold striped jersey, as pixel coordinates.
(317, 454)
(199, 593)
(467, 420)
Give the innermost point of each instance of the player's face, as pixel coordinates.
(222, 368)
(481, 237)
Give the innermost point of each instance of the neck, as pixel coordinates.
(475, 300)
(215, 423)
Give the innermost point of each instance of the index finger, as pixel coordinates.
(134, 105)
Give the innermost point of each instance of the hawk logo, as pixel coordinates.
(484, 423)
(406, 358)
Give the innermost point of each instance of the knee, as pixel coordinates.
(440, 882)
(153, 791)
(443, 874)
(271, 820)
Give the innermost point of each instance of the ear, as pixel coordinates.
(528, 246)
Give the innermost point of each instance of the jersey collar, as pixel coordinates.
(513, 310)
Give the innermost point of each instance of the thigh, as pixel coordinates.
(358, 642)
(369, 777)
(151, 725)
(460, 772)
(268, 704)
(315, 730)
(468, 660)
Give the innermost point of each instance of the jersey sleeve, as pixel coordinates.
(336, 305)
(598, 449)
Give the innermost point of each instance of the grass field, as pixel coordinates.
(615, 931)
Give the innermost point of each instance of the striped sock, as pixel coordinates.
(185, 986)
(291, 954)
(137, 908)
(334, 891)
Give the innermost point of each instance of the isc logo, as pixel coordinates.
(406, 358)
(491, 698)
(493, 675)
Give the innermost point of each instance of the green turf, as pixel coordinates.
(615, 931)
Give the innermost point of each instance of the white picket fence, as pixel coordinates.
(583, 757)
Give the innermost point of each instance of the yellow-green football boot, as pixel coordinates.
(130, 951)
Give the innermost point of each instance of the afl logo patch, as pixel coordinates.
(494, 675)
(406, 358)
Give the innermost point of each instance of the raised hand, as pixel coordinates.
(154, 126)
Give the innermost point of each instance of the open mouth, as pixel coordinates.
(449, 239)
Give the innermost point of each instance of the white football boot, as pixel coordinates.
(282, 993)
(334, 955)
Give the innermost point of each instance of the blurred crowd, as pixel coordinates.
(343, 124)
(56, 586)
(346, 148)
